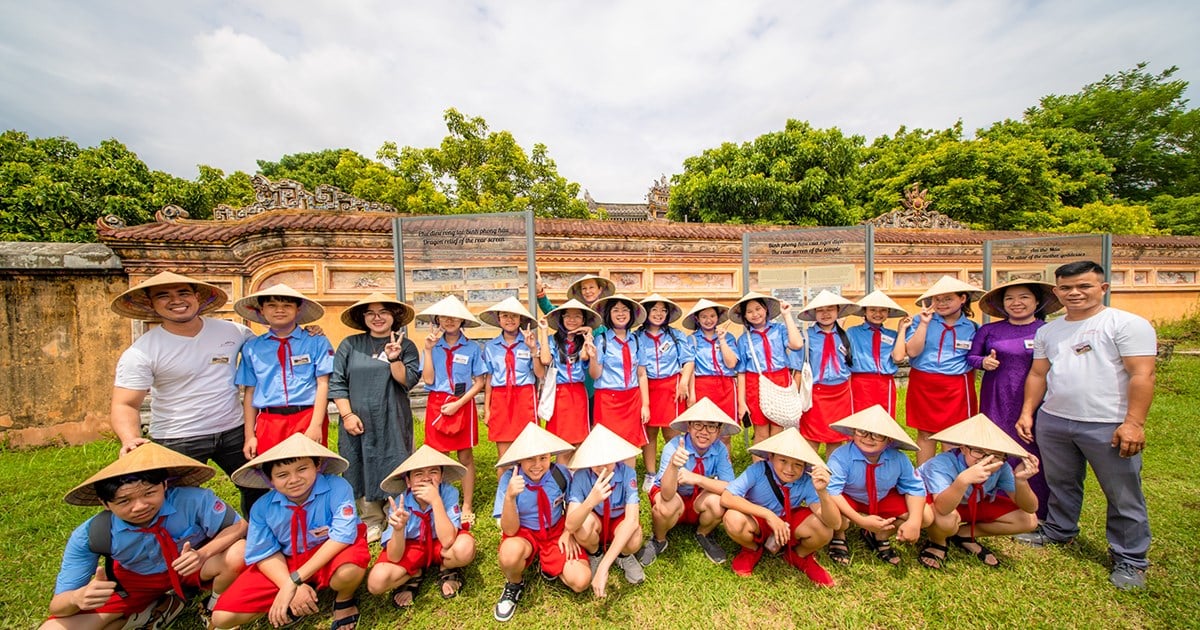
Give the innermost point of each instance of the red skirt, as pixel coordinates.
(570, 419)
(273, 428)
(938, 401)
(621, 411)
(830, 404)
(868, 389)
(664, 407)
(721, 390)
(448, 434)
(779, 377)
(510, 409)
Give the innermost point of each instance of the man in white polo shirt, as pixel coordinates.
(1095, 370)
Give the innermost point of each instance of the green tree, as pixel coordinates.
(1100, 217)
(880, 182)
(1177, 215)
(312, 169)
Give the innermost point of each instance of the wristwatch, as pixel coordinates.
(296, 578)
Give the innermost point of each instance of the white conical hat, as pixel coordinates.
(591, 318)
(135, 302)
(533, 441)
(510, 304)
(948, 284)
(980, 432)
(607, 287)
(637, 311)
(298, 445)
(992, 302)
(826, 298)
(352, 317)
(601, 448)
(181, 471)
(788, 443)
(706, 410)
(247, 307)
(875, 419)
(425, 457)
(773, 310)
(879, 299)
(674, 312)
(689, 319)
(449, 306)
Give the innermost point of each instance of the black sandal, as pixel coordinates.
(348, 620)
(982, 554)
(839, 551)
(450, 576)
(882, 548)
(409, 587)
(930, 560)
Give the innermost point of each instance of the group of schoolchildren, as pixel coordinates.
(617, 373)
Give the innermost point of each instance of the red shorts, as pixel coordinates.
(570, 419)
(690, 516)
(764, 529)
(545, 548)
(621, 411)
(607, 535)
(721, 390)
(142, 590)
(448, 434)
(273, 428)
(253, 592)
(892, 505)
(510, 409)
(779, 377)
(873, 389)
(937, 401)
(830, 404)
(987, 511)
(417, 555)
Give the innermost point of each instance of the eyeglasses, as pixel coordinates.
(980, 454)
(707, 427)
(867, 435)
(375, 314)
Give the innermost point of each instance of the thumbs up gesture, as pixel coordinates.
(990, 362)
(189, 560)
(96, 592)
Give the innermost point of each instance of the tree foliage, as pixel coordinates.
(1099, 217)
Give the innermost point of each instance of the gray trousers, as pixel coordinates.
(1068, 447)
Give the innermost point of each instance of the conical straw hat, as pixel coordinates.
(706, 410)
(637, 311)
(135, 302)
(826, 298)
(607, 287)
(510, 304)
(181, 471)
(879, 299)
(875, 419)
(449, 306)
(788, 443)
(247, 307)
(735, 311)
(674, 312)
(298, 445)
(591, 318)
(425, 457)
(947, 284)
(980, 432)
(533, 441)
(992, 302)
(602, 447)
(689, 319)
(353, 317)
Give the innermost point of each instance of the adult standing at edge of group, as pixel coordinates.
(188, 364)
(1093, 375)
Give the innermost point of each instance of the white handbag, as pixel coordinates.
(781, 405)
(545, 405)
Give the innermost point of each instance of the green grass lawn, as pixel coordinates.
(1061, 587)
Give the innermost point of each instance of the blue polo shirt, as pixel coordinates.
(611, 354)
(862, 345)
(308, 357)
(412, 529)
(664, 354)
(193, 515)
(466, 360)
(848, 474)
(954, 346)
(715, 459)
(837, 372)
(752, 341)
(709, 361)
(527, 501)
(942, 470)
(624, 489)
(753, 486)
(329, 512)
(495, 354)
(574, 372)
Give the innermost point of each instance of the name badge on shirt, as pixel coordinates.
(523, 354)
(962, 345)
(219, 359)
(462, 359)
(1029, 344)
(301, 359)
(1082, 348)
(887, 339)
(319, 532)
(665, 346)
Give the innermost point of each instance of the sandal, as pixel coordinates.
(451, 577)
(348, 620)
(931, 560)
(410, 588)
(983, 553)
(882, 548)
(839, 551)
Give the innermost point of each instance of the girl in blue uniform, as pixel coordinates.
(668, 363)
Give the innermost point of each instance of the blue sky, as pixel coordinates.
(620, 92)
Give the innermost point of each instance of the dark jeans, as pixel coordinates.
(225, 450)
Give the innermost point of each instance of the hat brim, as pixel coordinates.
(533, 442)
(591, 318)
(689, 319)
(992, 302)
(607, 288)
(397, 481)
(181, 470)
(772, 303)
(251, 475)
(705, 410)
(352, 317)
(248, 307)
(637, 311)
(135, 302)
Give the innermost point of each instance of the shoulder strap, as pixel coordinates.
(841, 333)
(100, 543)
(774, 484)
(559, 478)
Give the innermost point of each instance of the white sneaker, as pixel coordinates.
(647, 483)
(634, 574)
(507, 606)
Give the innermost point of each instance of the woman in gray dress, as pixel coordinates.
(373, 373)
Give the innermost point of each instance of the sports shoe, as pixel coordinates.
(711, 549)
(507, 606)
(811, 568)
(651, 550)
(1038, 539)
(647, 483)
(745, 560)
(374, 533)
(594, 561)
(632, 568)
(159, 614)
(1127, 577)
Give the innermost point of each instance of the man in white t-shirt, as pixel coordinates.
(1094, 369)
(188, 364)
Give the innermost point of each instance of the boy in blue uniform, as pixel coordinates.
(304, 535)
(285, 370)
(158, 538)
(779, 504)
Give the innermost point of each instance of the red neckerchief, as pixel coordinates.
(766, 344)
(169, 551)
